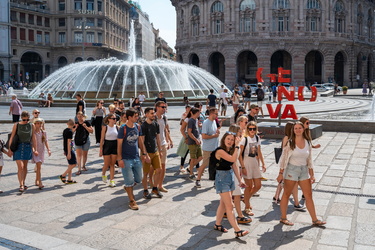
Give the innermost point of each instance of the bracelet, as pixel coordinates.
(237, 147)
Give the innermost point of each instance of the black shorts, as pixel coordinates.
(73, 158)
(110, 147)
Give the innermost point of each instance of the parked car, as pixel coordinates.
(332, 86)
(253, 87)
(320, 87)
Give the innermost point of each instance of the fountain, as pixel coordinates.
(108, 78)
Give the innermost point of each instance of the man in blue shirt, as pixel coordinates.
(128, 159)
(210, 141)
(211, 100)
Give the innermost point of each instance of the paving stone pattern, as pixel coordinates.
(91, 215)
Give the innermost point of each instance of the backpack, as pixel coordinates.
(81, 136)
(137, 125)
(244, 147)
(260, 94)
(213, 163)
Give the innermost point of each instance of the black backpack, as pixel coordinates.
(81, 136)
(260, 94)
(213, 163)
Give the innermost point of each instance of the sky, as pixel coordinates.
(163, 15)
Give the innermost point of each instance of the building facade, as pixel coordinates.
(5, 53)
(319, 41)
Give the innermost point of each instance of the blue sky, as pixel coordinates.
(163, 15)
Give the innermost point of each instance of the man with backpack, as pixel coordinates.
(260, 97)
(210, 141)
(128, 141)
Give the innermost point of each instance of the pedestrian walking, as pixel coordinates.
(260, 97)
(82, 130)
(15, 109)
(5, 151)
(69, 152)
(98, 113)
(194, 141)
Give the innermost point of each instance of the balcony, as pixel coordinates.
(31, 6)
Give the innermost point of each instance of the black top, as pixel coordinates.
(80, 103)
(252, 118)
(212, 100)
(67, 134)
(160, 99)
(223, 164)
(150, 131)
(247, 93)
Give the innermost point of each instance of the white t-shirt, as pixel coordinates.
(299, 155)
(111, 133)
(224, 96)
(141, 98)
(252, 144)
(162, 125)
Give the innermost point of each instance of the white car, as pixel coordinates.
(320, 87)
(253, 87)
(332, 86)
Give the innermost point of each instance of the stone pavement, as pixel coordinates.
(92, 215)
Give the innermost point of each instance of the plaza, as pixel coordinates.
(91, 215)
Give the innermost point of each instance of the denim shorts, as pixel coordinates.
(224, 181)
(84, 147)
(246, 99)
(296, 173)
(132, 172)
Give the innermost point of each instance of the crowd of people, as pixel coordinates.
(136, 139)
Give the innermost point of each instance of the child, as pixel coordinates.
(69, 153)
(42, 141)
(2, 150)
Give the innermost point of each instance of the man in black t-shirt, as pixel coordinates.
(81, 106)
(161, 98)
(151, 139)
(260, 97)
(211, 100)
(247, 97)
(69, 153)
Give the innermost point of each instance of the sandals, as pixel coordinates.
(84, 168)
(78, 172)
(220, 228)
(244, 220)
(318, 223)
(241, 233)
(62, 178)
(70, 182)
(22, 189)
(285, 221)
(41, 187)
(248, 211)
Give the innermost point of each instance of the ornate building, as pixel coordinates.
(319, 41)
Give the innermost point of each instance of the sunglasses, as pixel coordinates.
(25, 120)
(252, 129)
(307, 123)
(36, 113)
(102, 103)
(115, 103)
(231, 133)
(163, 107)
(112, 118)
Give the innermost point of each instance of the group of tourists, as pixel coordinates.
(138, 146)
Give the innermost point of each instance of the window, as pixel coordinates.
(31, 19)
(90, 37)
(280, 15)
(46, 37)
(217, 17)
(61, 38)
(89, 4)
(247, 16)
(78, 37)
(195, 20)
(22, 17)
(78, 4)
(100, 22)
(39, 20)
(313, 16)
(61, 22)
(14, 52)
(61, 5)
(39, 37)
(77, 22)
(22, 34)
(13, 33)
(13, 16)
(340, 16)
(100, 37)
(90, 22)
(100, 6)
(46, 22)
(31, 35)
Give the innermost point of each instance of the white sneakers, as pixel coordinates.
(112, 183)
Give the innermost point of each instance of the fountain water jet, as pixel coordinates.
(111, 77)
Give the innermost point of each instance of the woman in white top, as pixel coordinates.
(250, 158)
(108, 148)
(296, 167)
(235, 100)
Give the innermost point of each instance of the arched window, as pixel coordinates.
(359, 20)
(313, 15)
(280, 15)
(281, 4)
(195, 14)
(217, 17)
(340, 15)
(247, 16)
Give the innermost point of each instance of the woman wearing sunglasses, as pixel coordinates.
(250, 157)
(26, 148)
(99, 112)
(306, 124)
(226, 154)
(296, 167)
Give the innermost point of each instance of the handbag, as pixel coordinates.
(278, 152)
(13, 145)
